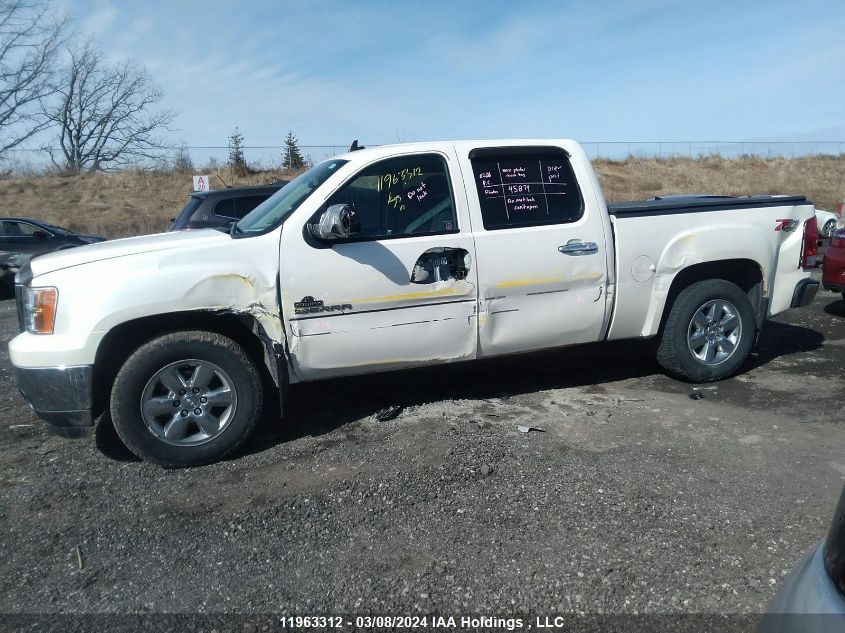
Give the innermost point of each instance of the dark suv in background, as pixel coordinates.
(218, 207)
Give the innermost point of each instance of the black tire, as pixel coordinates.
(674, 352)
(7, 285)
(137, 374)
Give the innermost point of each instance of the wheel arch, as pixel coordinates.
(123, 339)
(747, 274)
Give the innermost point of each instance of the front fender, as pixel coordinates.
(98, 296)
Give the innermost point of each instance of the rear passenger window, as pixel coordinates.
(401, 197)
(237, 207)
(246, 204)
(225, 208)
(525, 187)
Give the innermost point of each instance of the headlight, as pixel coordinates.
(39, 309)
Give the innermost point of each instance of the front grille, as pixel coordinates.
(19, 290)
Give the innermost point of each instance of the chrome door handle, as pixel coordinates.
(578, 248)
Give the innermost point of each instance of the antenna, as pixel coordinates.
(355, 147)
(225, 184)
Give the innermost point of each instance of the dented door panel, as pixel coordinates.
(535, 297)
(353, 307)
(542, 285)
(332, 344)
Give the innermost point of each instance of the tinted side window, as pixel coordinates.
(246, 204)
(17, 229)
(530, 188)
(403, 196)
(225, 208)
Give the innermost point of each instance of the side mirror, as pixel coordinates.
(339, 221)
(40, 235)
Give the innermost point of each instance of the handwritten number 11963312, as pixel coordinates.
(389, 180)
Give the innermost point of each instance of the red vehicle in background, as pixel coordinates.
(833, 268)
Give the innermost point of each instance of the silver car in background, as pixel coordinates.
(826, 222)
(812, 599)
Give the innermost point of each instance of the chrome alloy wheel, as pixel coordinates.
(829, 228)
(188, 402)
(714, 332)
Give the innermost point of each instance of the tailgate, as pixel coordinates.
(788, 272)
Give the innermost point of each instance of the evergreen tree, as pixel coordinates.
(291, 156)
(237, 162)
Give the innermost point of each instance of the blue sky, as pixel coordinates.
(382, 71)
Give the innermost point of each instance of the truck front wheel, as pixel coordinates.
(186, 398)
(709, 332)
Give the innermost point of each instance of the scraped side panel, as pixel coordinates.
(322, 347)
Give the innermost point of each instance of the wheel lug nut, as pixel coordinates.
(176, 403)
(197, 411)
(203, 400)
(195, 390)
(181, 392)
(184, 412)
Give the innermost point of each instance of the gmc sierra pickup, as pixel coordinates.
(393, 257)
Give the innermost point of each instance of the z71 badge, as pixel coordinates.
(310, 305)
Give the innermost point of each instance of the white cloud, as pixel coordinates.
(100, 20)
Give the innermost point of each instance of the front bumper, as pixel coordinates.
(61, 396)
(805, 292)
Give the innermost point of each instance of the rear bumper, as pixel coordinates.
(805, 292)
(61, 396)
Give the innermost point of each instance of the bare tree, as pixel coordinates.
(182, 162)
(30, 38)
(105, 114)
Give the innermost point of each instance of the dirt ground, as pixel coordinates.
(634, 498)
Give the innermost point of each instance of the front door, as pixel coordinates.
(542, 263)
(401, 292)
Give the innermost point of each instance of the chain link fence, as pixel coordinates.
(262, 157)
(620, 150)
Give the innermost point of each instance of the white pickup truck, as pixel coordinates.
(394, 257)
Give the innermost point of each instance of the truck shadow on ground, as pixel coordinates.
(317, 408)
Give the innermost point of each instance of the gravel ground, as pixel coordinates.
(633, 499)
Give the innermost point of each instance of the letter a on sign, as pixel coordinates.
(201, 183)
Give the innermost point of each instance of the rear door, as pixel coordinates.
(403, 291)
(540, 248)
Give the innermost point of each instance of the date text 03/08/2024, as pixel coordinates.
(436, 622)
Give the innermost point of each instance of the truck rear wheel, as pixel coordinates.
(186, 398)
(709, 332)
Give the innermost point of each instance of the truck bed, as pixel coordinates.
(671, 205)
(650, 252)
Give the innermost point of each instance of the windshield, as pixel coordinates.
(277, 207)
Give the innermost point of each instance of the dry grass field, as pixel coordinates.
(137, 202)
